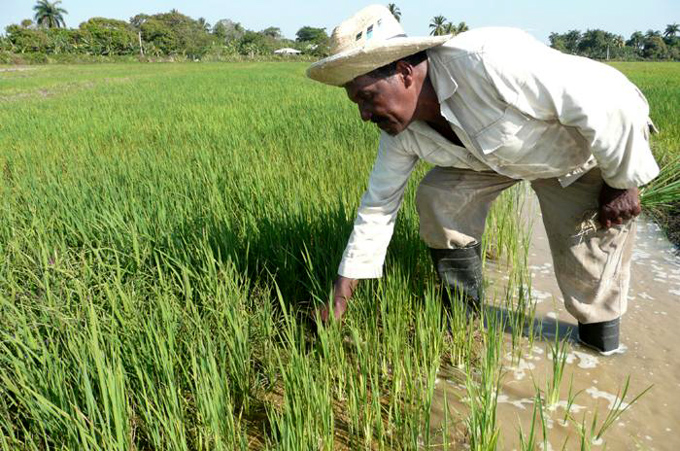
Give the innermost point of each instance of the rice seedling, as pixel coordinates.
(571, 397)
(483, 386)
(618, 408)
(529, 442)
(594, 433)
(558, 357)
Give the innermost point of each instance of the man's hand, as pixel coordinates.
(343, 289)
(618, 205)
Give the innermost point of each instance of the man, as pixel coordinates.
(488, 108)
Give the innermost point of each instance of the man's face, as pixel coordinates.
(384, 101)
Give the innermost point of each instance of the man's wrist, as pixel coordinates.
(345, 286)
(609, 193)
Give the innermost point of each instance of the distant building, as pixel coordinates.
(287, 51)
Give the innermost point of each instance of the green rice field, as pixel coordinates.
(166, 231)
(660, 82)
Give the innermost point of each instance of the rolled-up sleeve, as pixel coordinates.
(365, 252)
(609, 111)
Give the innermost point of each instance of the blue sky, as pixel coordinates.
(535, 16)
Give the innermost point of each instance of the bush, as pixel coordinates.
(109, 37)
(34, 58)
(6, 57)
(176, 34)
(27, 40)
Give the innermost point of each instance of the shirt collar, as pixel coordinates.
(441, 77)
(421, 128)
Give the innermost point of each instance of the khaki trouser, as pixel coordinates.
(592, 265)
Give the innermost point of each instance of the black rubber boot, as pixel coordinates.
(603, 337)
(460, 270)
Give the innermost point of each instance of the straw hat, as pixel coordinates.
(368, 40)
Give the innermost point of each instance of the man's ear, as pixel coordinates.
(405, 72)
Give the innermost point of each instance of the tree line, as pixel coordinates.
(174, 34)
(599, 44)
(170, 34)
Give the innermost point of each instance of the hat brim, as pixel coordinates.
(338, 69)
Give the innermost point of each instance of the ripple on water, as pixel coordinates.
(640, 255)
(646, 296)
(540, 296)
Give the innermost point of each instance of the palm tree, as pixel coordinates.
(618, 41)
(49, 14)
(395, 11)
(438, 23)
(671, 30)
(205, 26)
(636, 41)
(450, 28)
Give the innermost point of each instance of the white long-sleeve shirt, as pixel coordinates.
(521, 109)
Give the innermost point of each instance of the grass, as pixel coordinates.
(165, 234)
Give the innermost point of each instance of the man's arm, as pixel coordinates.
(365, 252)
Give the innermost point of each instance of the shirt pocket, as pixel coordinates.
(501, 137)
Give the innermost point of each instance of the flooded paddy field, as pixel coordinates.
(592, 384)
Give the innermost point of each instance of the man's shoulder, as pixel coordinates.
(482, 40)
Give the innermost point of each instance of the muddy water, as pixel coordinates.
(650, 337)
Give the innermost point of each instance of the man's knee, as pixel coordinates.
(443, 223)
(437, 190)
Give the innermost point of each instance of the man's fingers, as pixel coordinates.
(603, 217)
(323, 314)
(618, 206)
(628, 215)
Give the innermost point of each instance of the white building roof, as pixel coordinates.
(287, 50)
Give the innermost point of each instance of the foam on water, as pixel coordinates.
(519, 370)
(586, 361)
(595, 393)
(519, 403)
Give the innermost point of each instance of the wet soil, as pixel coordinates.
(651, 359)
